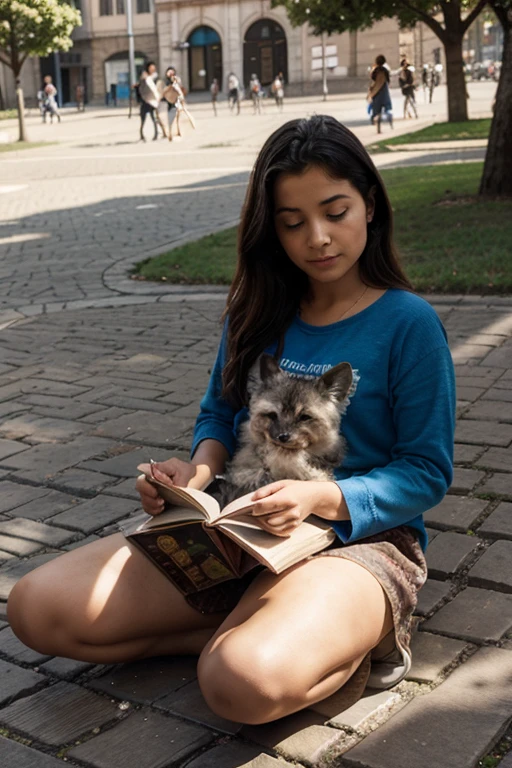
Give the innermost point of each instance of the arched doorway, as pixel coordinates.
(265, 51)
(204, 58)
(117, 78)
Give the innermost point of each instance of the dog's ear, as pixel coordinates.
(337, 381)
(269, 367)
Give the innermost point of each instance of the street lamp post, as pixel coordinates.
(131, 49)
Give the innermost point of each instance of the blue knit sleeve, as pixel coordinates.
(216, 416)
(420, 470)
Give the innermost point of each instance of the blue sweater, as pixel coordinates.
(399, 426)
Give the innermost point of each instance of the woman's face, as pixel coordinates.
(321, 223)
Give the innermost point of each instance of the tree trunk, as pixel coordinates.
(455, 80)
(21, 110)
(497, 175)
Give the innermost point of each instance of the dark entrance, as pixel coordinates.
(204, 58)
(265, 51)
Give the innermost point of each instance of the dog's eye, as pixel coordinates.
(305, 417)
(272, 415)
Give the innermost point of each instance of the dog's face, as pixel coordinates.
(298, 414)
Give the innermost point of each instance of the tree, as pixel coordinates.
(497, 174)
(33, 28)
(333, 16)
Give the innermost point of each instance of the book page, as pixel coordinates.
(276, 552)
(188, 498)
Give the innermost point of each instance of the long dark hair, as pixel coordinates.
(267, 287)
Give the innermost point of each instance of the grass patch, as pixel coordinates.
(14, 146)
(450, 242)
(472, 129)
(8, 114)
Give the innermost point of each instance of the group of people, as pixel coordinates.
(255, 89)
(163, 100)
(379, 97)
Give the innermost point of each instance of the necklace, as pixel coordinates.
(356, 302)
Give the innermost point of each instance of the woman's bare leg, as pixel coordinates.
(106, 603)
(293, 640)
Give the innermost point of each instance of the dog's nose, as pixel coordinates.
(283, 437)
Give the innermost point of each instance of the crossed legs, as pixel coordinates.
(292, 640)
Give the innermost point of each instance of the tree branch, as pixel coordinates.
(467, 22)
(434, 25)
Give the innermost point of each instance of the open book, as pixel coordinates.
(197, 544)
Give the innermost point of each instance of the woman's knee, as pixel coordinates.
(30, 609)
(245, 683)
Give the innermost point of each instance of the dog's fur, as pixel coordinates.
(293, 431)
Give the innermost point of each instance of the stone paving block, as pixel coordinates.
(19, 547)
(469, 393)
(46, 506)
(146, 681)
(14, 649)
(493, 570)
(497, 458)
(34, 531)
(466, 454)
(431, 655)
(13, 495)
(144, 739)
(17, 681)
(11, 572)
(368, 705)
(474, 614)
(42, 461)
(125, 489)
(106, 414)
(472, 705)
(431, 594)
(491, 410)
(41, 429)
(10, 447)
(125, 465)
(81, 542)
(80, 481)
(301, 737)
(483, 433)
(3, 611)
(16, 755)
(456, 513)
(448, 552)
(59, 714)
(237, 755)
(500, 392)
(188, 702)
(95, 513)
(500, 484)
(499, 523)
(465, 479)
(500, 358)
(65, 669)
(507, 761)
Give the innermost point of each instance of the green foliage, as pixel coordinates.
(471, 129)
(34, 28)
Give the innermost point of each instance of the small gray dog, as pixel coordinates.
(293, 431)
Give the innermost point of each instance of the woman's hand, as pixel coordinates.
(174, 471)
(282, 506)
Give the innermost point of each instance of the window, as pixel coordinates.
(143, 6)
(120, 7)
(106, 8)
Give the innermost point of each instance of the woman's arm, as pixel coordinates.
(209, 460)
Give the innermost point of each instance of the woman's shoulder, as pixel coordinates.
(417, 326)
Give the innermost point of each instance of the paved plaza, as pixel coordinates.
(99, 372)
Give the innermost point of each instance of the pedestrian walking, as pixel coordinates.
(406, 82)
(378, 93)
(256, 93)
(80, 97)
(233, 93)
(50, 106)
(277, 89)
(150, 98)
(214, 92)
(318, 281)
(181, 108)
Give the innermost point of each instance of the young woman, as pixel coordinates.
(317, 282)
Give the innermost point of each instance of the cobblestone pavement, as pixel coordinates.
(85, 395)
(98, 373)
